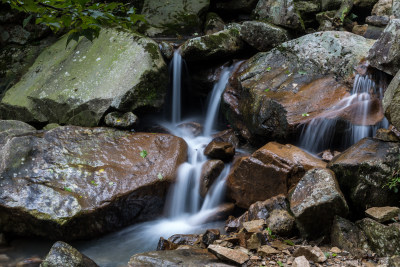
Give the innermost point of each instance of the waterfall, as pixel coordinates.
(320, 132)
(186, 211)
(176, 86)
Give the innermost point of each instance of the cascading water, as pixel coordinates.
(320, 132)
(185, 210)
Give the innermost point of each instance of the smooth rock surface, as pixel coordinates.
(78, 83)
(362, 172)
(63, 254)
(210, 171)
(314, 254)
(73, 182)
(317, 195)
(385, 53)
(220, 150)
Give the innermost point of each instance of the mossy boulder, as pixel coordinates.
(74, 182)
(76, 84)
(174, 17)
(214, 46)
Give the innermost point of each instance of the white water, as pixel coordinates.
(319, 133)
(186, 211)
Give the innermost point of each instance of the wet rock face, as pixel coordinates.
(220, 150)
(317, 195)
(73, 182)
(269, 93)
(77, 84)
(391, 101)
(168, 18)
(210, 171)
(346, 235)
(268, 172)
(383, 240)
(62, 254)
(363, 170)
(385, 53)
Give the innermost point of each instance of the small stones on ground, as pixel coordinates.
(267, 251)
(231, 255)
(254, 226)
(300, 261)
(314, 254)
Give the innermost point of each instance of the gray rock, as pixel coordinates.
(300, 262)
(391, 101)
(213, 23)
(169, 18)
(377, 20)
(214, 46)
(383, 240)
(268, 94)
(190, 257)
(347, 236)
(394, 261)
(119, 70)
(396, 9)
(367, 4)
(314, 254)
(281, 222)
(73, 182)
(18, 35)
(282, 13)
(385, 53)
(210, 236)
(263, 36)
(362, 172)
(167, 50)
(317, 195)
(383, 214)
(121, 120)
(51, 126)
(382, 8)
(62, 254)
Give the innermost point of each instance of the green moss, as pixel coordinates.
(153, 50)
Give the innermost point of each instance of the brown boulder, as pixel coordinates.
(210, 171)
(231, 255)
(220, 150)
(268, 172)
(73, 182)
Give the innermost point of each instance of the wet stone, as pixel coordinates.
(210, 236)
(164, 244)
(220, 150)
(184, 239)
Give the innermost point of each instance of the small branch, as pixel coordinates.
(52, 7)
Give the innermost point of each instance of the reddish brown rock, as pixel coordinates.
(269, 171)
(164, 244)
(82, 182)
(228, 136)
(383, 214)
(210, 171)
(220, 150)
(210, 236)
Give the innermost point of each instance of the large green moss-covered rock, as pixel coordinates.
(78, 83)
(73, 182)
(169, 18)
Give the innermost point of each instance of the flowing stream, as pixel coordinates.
(186, 211)
(320, 132)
